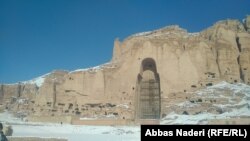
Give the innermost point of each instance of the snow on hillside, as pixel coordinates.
(238, 96)
(235, 88)
(142, 34)
(194, 34)
(168, 30)
(96, 68)
(37, 81)
(203, 118)
(88, 69)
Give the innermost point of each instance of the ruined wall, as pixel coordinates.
(184, 61)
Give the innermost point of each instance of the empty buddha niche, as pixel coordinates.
(148, 91)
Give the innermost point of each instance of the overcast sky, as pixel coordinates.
(38, 36)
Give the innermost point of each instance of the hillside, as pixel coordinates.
(149, 73)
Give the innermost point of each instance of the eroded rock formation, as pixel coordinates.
(161, 64)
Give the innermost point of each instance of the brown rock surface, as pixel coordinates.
(176, 61)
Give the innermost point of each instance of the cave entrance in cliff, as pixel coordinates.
(148, 91)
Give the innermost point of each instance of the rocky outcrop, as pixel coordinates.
(180, 63)
(247, 23)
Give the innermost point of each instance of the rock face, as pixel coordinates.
(247, 23)
(146, 71)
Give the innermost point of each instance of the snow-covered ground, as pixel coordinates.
(71, 132)
(79, 133)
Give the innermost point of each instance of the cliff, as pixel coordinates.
(178, 62)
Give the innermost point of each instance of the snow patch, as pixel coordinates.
(243, 21)
(37, 81)
(238, 96)
(88, 69)
(87, 118)
(166, 31)
(96, 68)
(203, 118)
(236, 88)
(21, 101)
(194, 34)
(187, 104)
(123, 106)
(142, 34)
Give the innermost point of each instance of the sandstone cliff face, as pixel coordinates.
(182, 61)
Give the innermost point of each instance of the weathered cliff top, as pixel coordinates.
(176, 31)
(169, 34)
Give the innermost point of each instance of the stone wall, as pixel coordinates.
(51, 119)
